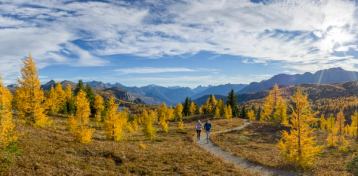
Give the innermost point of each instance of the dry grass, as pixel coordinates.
(257, 143)
(54, 151)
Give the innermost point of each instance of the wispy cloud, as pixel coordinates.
(146, 70)
(303, 35)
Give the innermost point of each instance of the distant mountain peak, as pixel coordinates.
(326, 76)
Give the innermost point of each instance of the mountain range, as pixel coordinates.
(154, 94)
(327, 76)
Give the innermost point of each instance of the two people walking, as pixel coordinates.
(207, 128)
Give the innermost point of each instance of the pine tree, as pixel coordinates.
(298, 146)
(186, 106)
(82, 130)
(29, 96)
(232, 101)
(99, 107)
(7, 126)
(80, 86)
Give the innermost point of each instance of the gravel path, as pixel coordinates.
(236, 160)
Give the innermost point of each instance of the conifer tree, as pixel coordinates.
(51, 101)
(149, 118)
(186, 106)
(274, 107)
(227, 112)
(339, 125)
(69, 105)
(322, 123)
(178, 113)
(99, 107)
(232, 101)
(193, 108)
(217, 112)
(61, 96)
(7, 126)
(29, 96)
(251, 115)
(162, 117)
(80, 86)
(81, 120)
(354, 125)
(115, 122)
(298, 146)
(331, 130)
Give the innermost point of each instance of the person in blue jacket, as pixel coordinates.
(207, 127)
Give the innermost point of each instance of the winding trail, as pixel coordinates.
(237, 160)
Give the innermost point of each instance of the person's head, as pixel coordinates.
(199, 121)
(207, 121)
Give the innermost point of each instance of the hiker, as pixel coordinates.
(207, 127)
(198, 129)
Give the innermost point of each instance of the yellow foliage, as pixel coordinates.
(115, 122)
(149, 118)
(99, 107)
(217, 112)
(274, 107)
(228, 112)
(192, 108)
(7, 126)
(79, 124)
(354, 125)
(251, 115)
(298, 146)
(178, 112)
(29, 96)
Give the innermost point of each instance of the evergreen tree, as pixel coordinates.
(186, 106)
(7, 126)
(232, 101)
(29, 96)
(80, 86)
(69, 105)
(243, 112)
(298, 146)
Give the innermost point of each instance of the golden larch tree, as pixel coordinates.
(193, 108)
(115, 122)
(81, 126)
(274, 107)
(178, 113)
(251, 115)
(148, 121)
(29, 97)
(339, 125)
(227, 112)
(99, 107)
(298, 146)
(354, 125)
(162, 117)
(7, 126)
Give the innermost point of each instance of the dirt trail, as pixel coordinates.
(236, 160)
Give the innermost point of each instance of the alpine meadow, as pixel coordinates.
(189, 87)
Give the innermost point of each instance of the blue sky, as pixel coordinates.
(184, 43)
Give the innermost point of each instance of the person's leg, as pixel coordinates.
(207, 136)
(199, 132)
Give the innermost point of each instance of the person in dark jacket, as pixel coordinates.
(207, 127)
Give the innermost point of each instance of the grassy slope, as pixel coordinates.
(258, 142)
(54, 151)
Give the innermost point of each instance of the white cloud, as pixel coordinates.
(302, 34)
(146, 70)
